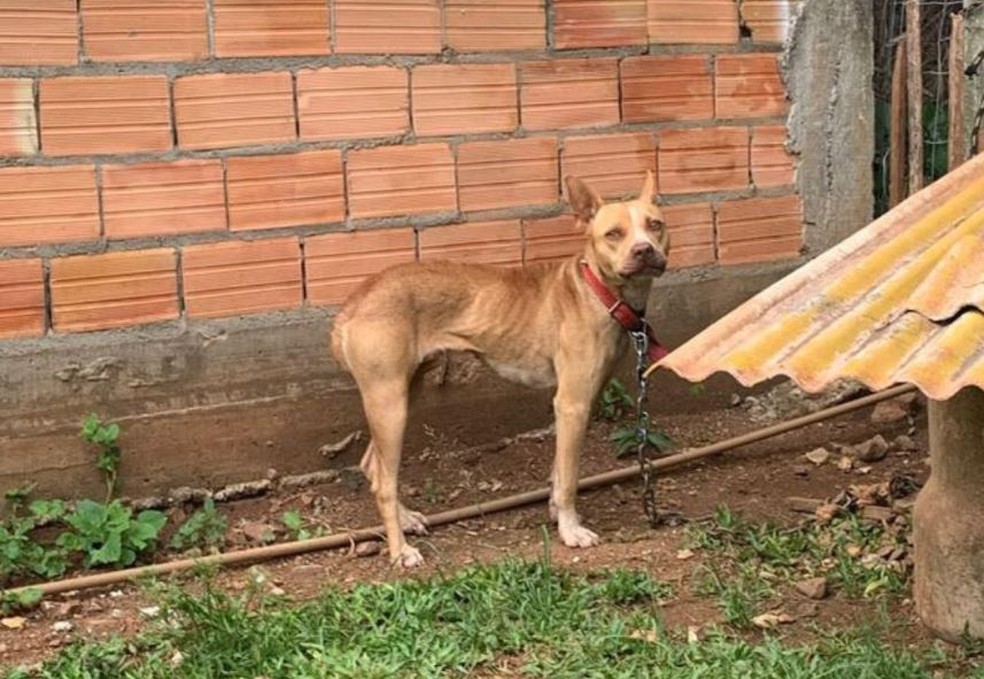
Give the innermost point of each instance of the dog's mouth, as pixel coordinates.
(640, 269)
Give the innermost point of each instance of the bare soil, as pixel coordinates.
(755, 480)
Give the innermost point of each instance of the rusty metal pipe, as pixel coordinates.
(454, 515)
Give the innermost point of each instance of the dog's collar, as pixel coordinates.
(631, 319)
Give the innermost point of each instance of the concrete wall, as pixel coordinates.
(187, 190)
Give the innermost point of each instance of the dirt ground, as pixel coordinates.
(755, 480)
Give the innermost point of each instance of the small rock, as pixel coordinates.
(645, 635)
(853, 551)
(735, 400)
(818, 456)
(800, 470)
(826, 512)
(150, 611)
(813, 588)
(369, 548)
(62, 626)
(888, 412)
(872, 450)
(904, 443)
(13, 623)
(693, 634)
(685, 554)
(67, 609)
(116, 594)
(177, 659)
(257, 531)
(845, 463)
(277, 591)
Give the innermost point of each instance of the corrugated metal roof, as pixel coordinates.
(902, 300)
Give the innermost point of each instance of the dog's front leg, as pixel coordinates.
(576, 388)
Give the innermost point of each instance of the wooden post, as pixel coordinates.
(913, 49)
(957, 143)
(896, 152)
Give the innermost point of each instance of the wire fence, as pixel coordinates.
(935, 37)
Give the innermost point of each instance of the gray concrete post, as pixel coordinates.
(948, 522)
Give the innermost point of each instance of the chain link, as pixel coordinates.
(640, 340)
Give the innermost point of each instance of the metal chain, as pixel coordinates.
(640, 339)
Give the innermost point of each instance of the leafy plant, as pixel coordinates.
(294, 523)
(106, 437)
(626, 439)
(615, 401)
(109, 534)
(205, 528)
(20, 554)
(17, 497)
(19, 600)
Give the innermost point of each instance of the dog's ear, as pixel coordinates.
(648, 188)
(583, 199)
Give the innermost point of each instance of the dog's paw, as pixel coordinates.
(409, 557)
(412, 523)
(577, 535)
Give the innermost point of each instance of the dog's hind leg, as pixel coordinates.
(385, 404)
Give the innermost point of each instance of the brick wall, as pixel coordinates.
(209, 158)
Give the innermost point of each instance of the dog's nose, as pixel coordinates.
(643, 250)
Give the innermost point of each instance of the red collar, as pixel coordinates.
(629, 318)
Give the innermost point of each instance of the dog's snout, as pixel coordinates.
(643, 250)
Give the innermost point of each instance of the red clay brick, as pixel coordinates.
(144, 30)
(769, 20)
(749, 86)
(772, 165)
(501, 174)
(481, 26)
(401, 180)
(707, 159)
(613, 164)
(18, 132)
(759, 229)
(551, 240)
(21, 298)
(228, 279)
(253, 28)
(105, 114)
(294, 189)
(599, 23)
(704, 22)
(353, 102)
(35, 33)
(336, 263)
(155, 199)
(387, 27)
(233, 109)
(40, 205)
(691, 230)
(660, 88)
(498, 243)
(569, 93)
(95, 292)
(464, 98)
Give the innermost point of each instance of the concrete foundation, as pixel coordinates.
(212, 403)
(948, 531)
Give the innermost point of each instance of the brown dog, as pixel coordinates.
(541, 326)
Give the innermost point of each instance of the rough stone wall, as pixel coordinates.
(187, 190)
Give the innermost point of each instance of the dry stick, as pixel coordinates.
(957, 150)
(454, 515)
(896, 153)
(913, 50)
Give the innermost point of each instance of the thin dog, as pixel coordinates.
(560, 324)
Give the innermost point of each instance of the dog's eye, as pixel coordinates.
(614, 234)
(655, 225)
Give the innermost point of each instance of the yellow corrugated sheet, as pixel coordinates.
(901, 301)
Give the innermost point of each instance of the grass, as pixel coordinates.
(534, 619)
